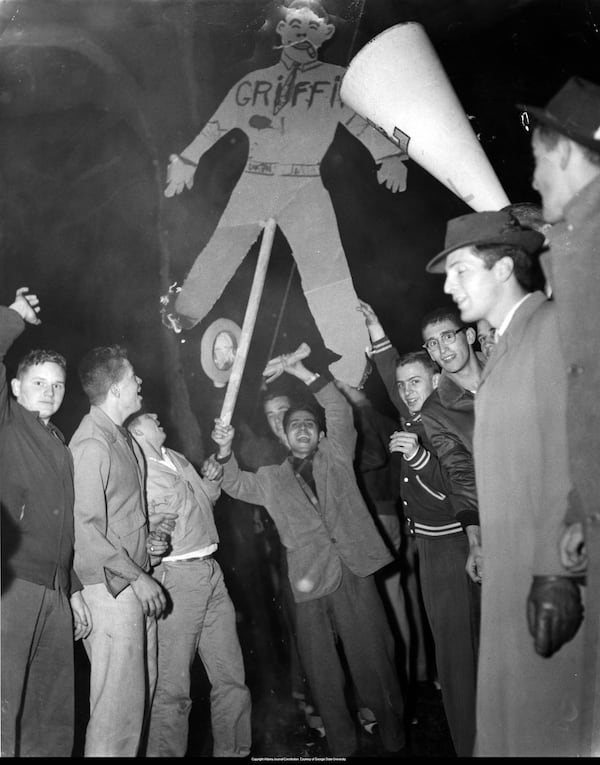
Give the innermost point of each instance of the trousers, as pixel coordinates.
(353, 618)
(38, 674)
(453, 603)
(122, 652)
(201, 621)
(305, 214)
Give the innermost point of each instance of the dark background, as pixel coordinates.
(95, 95)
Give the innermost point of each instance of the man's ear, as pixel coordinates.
(15, 386)
(115, 390)
(279, 27)
(137, 432)
(565, 150)
(321, 434)
(471, 335)
(504, 268)
(435, 380)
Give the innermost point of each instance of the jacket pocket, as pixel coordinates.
(436, 494)
(130, 524)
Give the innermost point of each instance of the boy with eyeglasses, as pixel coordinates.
(449, 417)
(451, 599)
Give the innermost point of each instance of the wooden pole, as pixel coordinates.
(258, 283)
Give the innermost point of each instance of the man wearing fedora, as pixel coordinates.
(566, 149)
(528, 691)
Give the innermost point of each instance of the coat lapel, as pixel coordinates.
(514, 332)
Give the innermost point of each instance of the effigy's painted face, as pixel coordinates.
(302, 33)
(224, 350)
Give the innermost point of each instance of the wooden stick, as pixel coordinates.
(258, 283)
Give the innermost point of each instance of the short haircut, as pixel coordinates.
(99, 369)
(549, 136)
(527, 271)
(38, 356)
(418, 357)
(277, 392)
(441, 314)
(133, 420)
(303, 406)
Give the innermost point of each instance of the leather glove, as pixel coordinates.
(554, 612)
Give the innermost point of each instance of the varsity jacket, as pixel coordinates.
(424, 486)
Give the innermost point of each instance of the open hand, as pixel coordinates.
(27, 306)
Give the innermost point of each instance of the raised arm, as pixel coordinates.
(24, 309)
(384, 356)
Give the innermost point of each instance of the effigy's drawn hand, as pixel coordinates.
(392, 173)
(180, 175)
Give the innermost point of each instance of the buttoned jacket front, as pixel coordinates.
(110, 513)
(449, 416)
(424, 485)
(523, 485)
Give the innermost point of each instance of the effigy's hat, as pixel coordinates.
(485, 228)
(574, 111)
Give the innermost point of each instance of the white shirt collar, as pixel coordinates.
(508, 318)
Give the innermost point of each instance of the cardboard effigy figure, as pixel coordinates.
(290, 112)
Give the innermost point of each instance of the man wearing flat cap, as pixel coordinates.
(566, 149)
(530, 651)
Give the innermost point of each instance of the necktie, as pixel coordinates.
(287, 89)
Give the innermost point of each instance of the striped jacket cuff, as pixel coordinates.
(420, 460)
(381, 345)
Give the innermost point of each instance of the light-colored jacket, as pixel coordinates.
(186, 493)
(527, 705)
(111, 524)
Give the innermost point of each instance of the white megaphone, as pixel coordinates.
(398, 84)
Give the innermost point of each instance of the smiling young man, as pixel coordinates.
(333, 549)
(451, 598)
(42, 606)
(448, 416)
(528, 691)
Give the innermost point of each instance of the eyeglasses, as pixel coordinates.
(448, 337)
